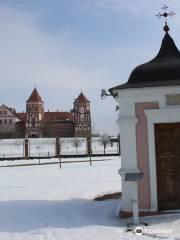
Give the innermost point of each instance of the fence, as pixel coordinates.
(57, 147)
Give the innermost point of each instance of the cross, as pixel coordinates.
(165, 7)
(165, 15)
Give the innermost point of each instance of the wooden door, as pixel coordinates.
(167, 140)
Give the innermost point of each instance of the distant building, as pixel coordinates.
(81, 115)
(35, 122)
(34, 115)
(8, 120)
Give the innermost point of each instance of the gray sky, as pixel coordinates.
(67, 46)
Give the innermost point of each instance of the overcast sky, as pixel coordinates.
(65, 46)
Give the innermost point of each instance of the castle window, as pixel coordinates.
(10, 121)
(82, 117)
(80, 127)
(5, 121)
(5, 112)
(0, 121)
(85, 127)
(0, 112)
(81, 110)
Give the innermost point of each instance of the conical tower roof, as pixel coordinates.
(82, 98)
(163, 70)
(35, 97)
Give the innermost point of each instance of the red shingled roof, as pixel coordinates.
(55, 116)
(22, 116)
(35, 97)
(49, 116)
(82, 98)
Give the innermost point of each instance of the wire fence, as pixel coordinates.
(60, 162)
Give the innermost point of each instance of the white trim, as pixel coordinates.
(128, 97)
(168, 115)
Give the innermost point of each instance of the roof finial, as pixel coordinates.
(165, 15)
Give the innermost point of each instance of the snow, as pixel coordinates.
(53, 161)
(49, 203)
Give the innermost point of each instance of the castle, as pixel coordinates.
(35, 122)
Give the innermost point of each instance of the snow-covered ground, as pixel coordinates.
(61, 161)
(48, 203)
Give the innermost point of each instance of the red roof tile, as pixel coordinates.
(35, 97)
(82, 98)
(22, 116)
(56, 116)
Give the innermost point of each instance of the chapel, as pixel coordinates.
(149, 122)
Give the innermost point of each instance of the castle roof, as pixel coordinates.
(58, 116)
(22, 116)
(12, 110)
(163, 70)
(49, 116)
(82, 98)
(35, 97)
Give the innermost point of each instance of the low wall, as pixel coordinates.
(54, 147)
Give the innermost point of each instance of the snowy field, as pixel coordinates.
(48, 203)
(61, 161)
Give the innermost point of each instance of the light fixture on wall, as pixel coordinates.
(104, 94)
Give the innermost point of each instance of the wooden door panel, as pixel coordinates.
(167, 137)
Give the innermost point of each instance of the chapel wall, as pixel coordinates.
(143, 152)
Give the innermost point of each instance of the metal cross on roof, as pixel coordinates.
(165, 15)
(165, 7)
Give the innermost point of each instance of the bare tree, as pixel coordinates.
(77, 143)
(104, 140)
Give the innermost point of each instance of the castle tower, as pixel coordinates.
(82, 117)
(35, 115)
